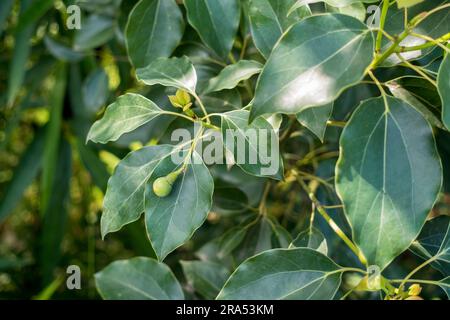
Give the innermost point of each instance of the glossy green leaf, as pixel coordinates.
(127, 113)
(315, 119)
(312, 64)
(165, 25)
(269, 19)
(170, 72)
(216, 22)
(172, 220)
(311, 238)
(96, 31)
(284, 274)
(232, 74)
(207, 278)
(138, 279)
(124, 198)
(443, 82)
(388, 176)
(445, 285)
(433, 242)
(222, 101)
(254, 157)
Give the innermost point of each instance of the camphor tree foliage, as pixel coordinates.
(360, 107)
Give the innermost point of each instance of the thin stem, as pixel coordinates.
(178, 115)
(244, 47)
(421, 17)
(381, 58)
(333, 224)
(422, 265)
(416, 69)
(384, 11)
(262, 204)
(435, 283)
(380, 87)
(202, 106)
(432, 41)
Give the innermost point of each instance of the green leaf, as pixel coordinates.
(170, 72)
(334, 3)
(96, 31)
(216, 22)
(55, 216)
(34, 12)
(163, 21)
(407, 3)
(127, 113)
(315, 119)
(311, 238)
(283, 274)
(443, 82)
(138, 279)
(433, 242)
(95, 90)
(312, 64)
(53, 134)
(445, 285)
(124, 198)
(62, 52)
(269, 19)
(232, 74)
(399, 92)
(172, 220)
(245, 142)
(222, 101)
(17, 68)
(356, 10)
(5, 9)
(24, 174)
(388, 176)
(207, 278)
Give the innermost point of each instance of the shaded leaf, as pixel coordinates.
(163, 20)
(311, 238)
(284, 274)
(216, 22)
(443, 82)
(315, 119)
(138, 279)
(96, 31)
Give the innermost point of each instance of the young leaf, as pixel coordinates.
(170, 72)
(312, 64)
(407, 3)
(207, 278)
(172, 220)
(433, 242)
(315, 119)
(138, 279)
(284, 274)
(269, 19)
(165, 23)
(388, 176)
(124, 198)
(443, 82)
(215, 21)
(232, 74)
(245, 141)
(127, 113)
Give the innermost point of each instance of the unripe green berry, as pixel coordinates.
(162, 187)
